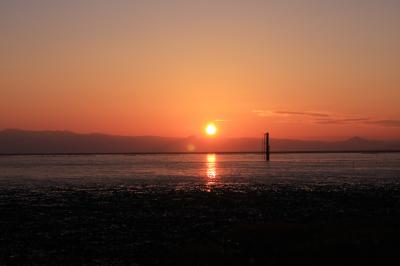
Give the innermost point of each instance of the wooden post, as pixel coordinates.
(263, 146)
(266, 146)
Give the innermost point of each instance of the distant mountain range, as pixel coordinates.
(14, 141)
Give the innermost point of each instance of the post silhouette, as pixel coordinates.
(266, 148)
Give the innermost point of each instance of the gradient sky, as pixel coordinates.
(311, 69)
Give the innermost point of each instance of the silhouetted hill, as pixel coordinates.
(14, 141)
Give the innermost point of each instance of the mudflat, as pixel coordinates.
(97, 224)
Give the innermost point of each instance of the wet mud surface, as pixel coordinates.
(58, 224)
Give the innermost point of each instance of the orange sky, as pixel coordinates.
(308, 70)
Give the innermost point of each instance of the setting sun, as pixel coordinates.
(211, 129)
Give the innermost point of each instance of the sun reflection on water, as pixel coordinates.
(211, 170)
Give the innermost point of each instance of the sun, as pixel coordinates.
(211, 129)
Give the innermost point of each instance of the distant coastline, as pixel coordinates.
(22, 142)
(194, 153)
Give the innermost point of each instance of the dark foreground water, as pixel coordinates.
(303, 209)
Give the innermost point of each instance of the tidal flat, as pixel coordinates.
(239, 224)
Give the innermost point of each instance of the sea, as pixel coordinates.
(200, 209)
(185, 171)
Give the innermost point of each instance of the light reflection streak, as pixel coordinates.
(211, 170)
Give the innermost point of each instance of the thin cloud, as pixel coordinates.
(332, 121)
(326, 118)
(263, 113)
(289, 113)
(313, 114)
(385, 123)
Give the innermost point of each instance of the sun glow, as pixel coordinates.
(211, 129)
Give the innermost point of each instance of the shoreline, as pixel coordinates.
(194, 153)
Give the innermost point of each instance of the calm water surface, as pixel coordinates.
(202, 169)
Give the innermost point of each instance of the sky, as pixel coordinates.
(302, 69)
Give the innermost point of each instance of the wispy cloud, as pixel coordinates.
(330, 121)
(312, 114)
(261, 112)
(328, 118)
(385, 123)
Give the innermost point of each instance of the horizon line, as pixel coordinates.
(202, 152)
